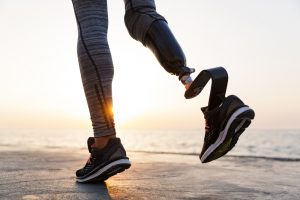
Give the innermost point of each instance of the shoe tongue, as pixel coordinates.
(204, 110)
(97, 152)
(90, 142)
(209, 113)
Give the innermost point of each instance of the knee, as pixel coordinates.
(139, 19)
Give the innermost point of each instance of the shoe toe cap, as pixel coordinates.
(79, 172)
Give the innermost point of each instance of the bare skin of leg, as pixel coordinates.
(187, 86)
(186, 80)
(101, 142)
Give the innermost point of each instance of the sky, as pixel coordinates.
(256, 41)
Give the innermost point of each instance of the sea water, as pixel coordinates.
(282, 144)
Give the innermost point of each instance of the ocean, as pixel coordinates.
(270, 144)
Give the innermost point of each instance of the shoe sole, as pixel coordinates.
(107, 171)
(229, 136)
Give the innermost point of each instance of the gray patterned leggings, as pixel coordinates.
(96, 67)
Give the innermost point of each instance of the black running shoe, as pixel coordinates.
(103, 163)
(224, 125)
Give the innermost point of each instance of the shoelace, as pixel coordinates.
(206, 117)
(209, 116)
(207, 126)
(91, 159)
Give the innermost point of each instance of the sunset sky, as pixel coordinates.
(258, 42)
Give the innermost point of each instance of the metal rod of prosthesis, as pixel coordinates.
(219, 78)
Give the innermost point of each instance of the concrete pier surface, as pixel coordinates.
(49, 174)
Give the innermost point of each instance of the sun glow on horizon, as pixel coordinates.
(40, 77)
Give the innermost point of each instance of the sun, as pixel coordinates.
(129, 106)
(125, 114)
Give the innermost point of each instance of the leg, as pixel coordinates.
(96, 67)
(147, 26)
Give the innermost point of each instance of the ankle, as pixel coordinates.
(187, 85)
(186, 80)
(101, 142)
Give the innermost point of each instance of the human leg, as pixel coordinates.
(96, 67)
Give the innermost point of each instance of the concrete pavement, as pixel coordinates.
(49, 174)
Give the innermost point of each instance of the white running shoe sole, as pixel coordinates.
(117, 166)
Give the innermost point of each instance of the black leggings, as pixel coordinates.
(96, 67)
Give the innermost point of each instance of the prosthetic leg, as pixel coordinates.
(151, 29)
(226, 117)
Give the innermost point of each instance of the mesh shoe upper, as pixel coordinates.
(211, 133)
(114, 150)
(216, 119)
